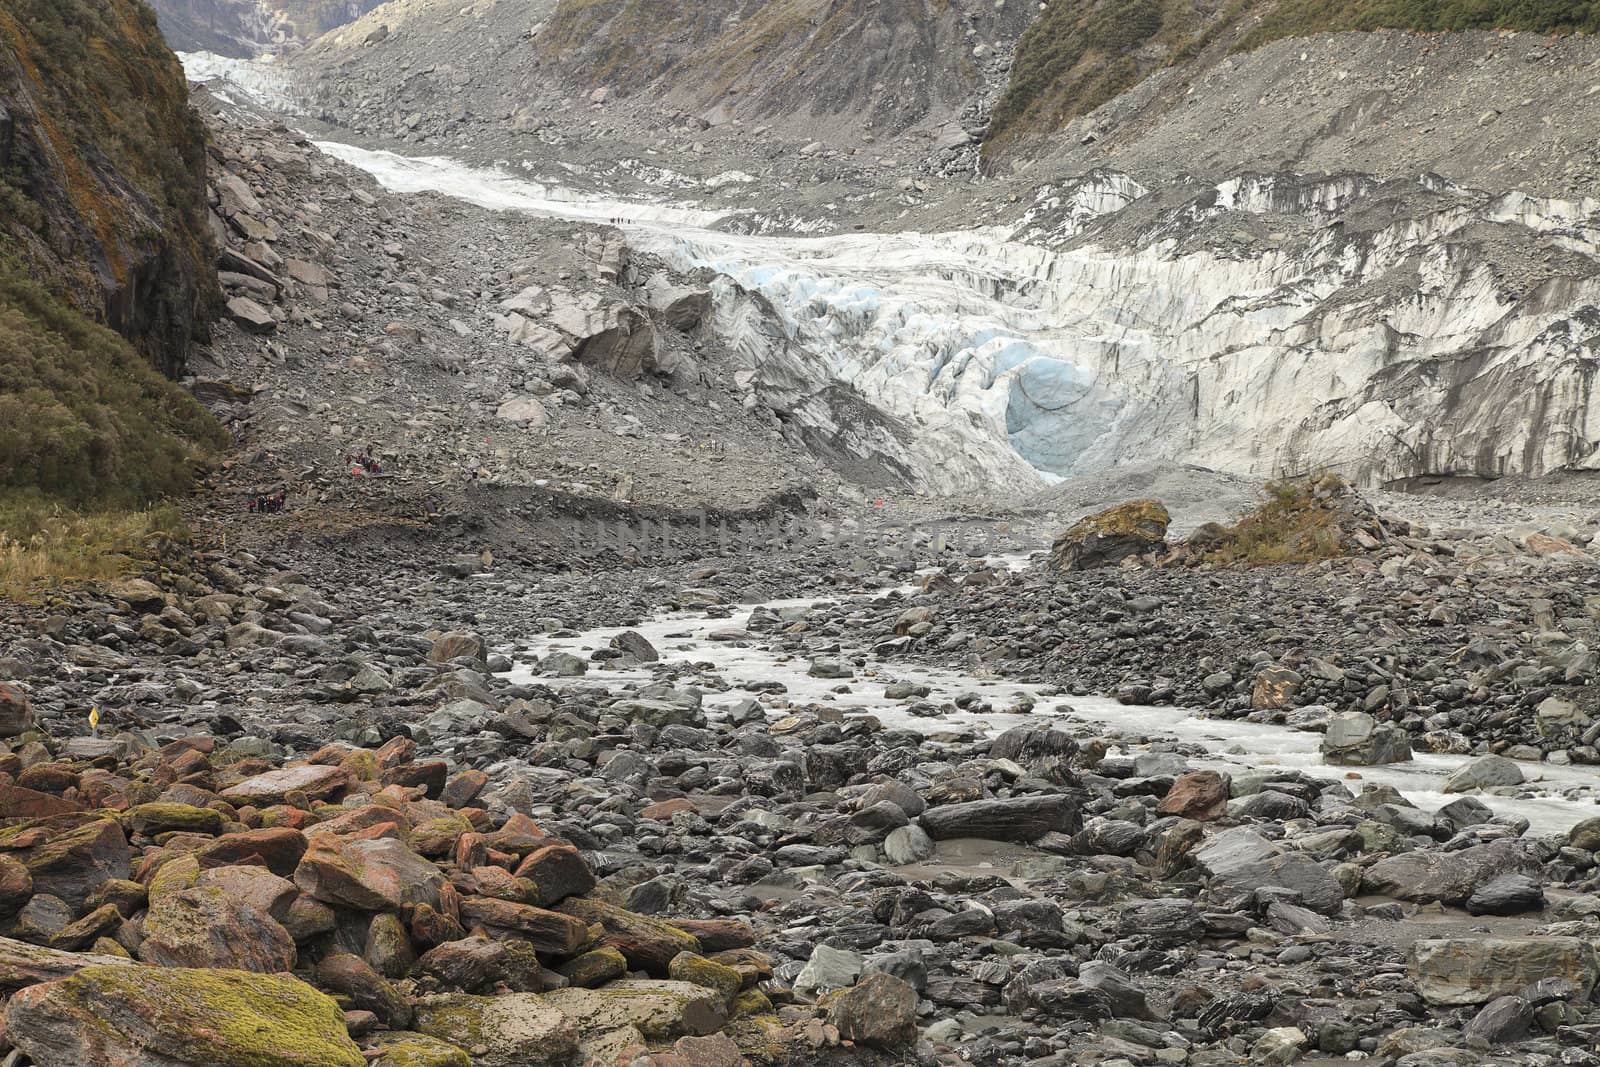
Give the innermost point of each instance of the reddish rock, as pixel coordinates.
(666, 809)
(559, 871)
(278, 849)
(1198, 795)
(547, 931)
(718, 935)
(256, 886)
(371, 875)
(16, 885)
(205, 927)
(342, 972)
(18, 802)
(519, 835)
(647, 944)
(464, 788)
(16, 711)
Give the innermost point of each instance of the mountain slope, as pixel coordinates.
(809, 68)
(1078, 55)
(103, 222)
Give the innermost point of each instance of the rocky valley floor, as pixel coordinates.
(586, 704)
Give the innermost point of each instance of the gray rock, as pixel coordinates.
(1485, 772)
(1356, 739)
(1458, 971)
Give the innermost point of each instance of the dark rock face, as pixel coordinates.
(117, 223)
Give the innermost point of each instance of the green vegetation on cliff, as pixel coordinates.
(83, 416)
(1078, 54)
(106, 269)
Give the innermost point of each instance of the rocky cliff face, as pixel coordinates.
(103, 170)
(102, 220)
(883, 64)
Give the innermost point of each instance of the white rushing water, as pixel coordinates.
(1552, 800)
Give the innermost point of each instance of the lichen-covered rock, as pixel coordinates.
(314, 780)
(657, 1009)
(22, 964)
(647, 944)
(69, 856)
(416, 1050)
(110, 1016)
(157, 818)
(1136, 528)
(514, 1030)
(205, 927)
(880, 1010)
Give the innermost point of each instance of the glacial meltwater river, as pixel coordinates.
(958, 334)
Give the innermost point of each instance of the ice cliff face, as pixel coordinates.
(1267, 324)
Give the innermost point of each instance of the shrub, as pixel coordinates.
(83, 417)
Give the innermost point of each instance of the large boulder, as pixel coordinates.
(1356, 739)
(205, 927)
(1198, 795)
(1136, 528)
(1457, 971)
(657, 1009)
(1242, 861)
(1448, 877)
(178, 1017)
(69, 856)
(881, 1011)
(514, 1030)
(1023, 818)
(1485, 772)
(273, 787)
(16, 711)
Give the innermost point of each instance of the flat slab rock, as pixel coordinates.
(1458, 971)
(273, 786)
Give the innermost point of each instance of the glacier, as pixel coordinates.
(1266, 325)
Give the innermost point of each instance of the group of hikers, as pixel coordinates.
(267, 504)
(365, 463)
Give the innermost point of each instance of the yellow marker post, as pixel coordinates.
(94, 721)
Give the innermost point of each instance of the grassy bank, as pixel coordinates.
(46, 544)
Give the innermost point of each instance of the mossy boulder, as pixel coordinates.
(416, 1050)
(1104, 539)
(690, 967)
(595, 968)
(658, 1009)
(174, 876)
(514, 1030)
(159, 818)
(109, 1016)
(69, 856)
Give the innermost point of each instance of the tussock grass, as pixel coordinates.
(1300, 522)
(45, 544)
